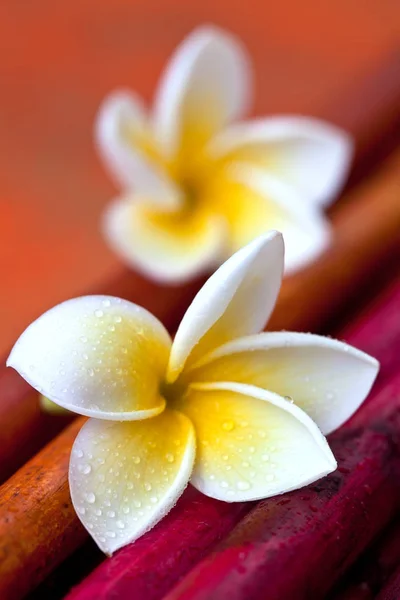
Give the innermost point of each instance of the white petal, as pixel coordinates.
(306, 232)
(96, 355)
(207, 81)
(311, 155)
(167, 247)
(328, 379)
(237, 300)
(125, 477)
(252, 443)
(124, 143)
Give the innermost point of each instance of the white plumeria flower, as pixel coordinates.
(196, 186)
(241, 414)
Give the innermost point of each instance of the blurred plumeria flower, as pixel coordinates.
(196, 184)
(241, 414)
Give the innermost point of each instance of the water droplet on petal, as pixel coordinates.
(90, 497)
(98, 313)
(170, 457)
(111, 534)
(120, 524)
(136, 459)
(228, 425)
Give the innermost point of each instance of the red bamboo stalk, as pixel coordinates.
(372, 571)
(277, 535)
(369, 110)
(26, 557)
(391, 591)
(139, 572)
(297, 546)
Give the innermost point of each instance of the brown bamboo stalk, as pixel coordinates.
(38, 535)
(369, 110)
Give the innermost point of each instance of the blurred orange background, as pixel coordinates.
(58, 60)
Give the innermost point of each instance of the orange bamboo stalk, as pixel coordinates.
(366, 232)
(369, 110)
(37, 494)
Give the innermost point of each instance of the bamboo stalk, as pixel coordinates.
(368, 233)
(391, 591)
(369, 110)
(298, 545)
(132, 571)
(373, 569)
(22, 565)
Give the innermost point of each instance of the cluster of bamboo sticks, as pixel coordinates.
(207, 549)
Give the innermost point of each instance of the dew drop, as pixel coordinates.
(78, 453)
(224, 484)
(81, 510)
(98, 512)
(98, 313)
(118, 319)
(111, 514)
(136, 459)
(170, 457)
(111, 534)
(270, 477)
(126, 510)
(289, 399)
(106, 303)
(83, 339)
(90, 497)
(154, 499)
(120, 524)
(147, 487)
(228, 425)
(136, 504)
(129, 485)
